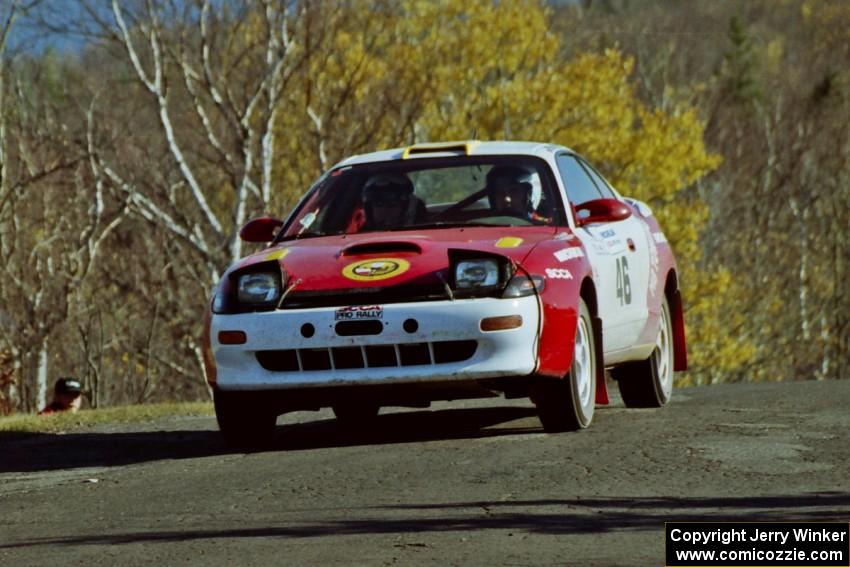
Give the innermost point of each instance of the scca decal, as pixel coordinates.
(558, 274)
(375, 269)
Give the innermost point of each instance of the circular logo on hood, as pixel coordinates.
(375, 269)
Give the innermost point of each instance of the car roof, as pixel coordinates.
(452, 149)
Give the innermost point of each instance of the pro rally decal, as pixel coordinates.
(357, 312)
(375, 269)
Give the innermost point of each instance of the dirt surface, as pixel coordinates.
(468, 483)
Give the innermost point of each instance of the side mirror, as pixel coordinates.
(260, 230)
(641, 207)
(601, 210)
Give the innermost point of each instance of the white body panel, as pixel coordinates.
(620, 327)
(499, 353)
(619, 254)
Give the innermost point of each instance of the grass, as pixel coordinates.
(60, 422)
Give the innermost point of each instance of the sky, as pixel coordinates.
(29, 36)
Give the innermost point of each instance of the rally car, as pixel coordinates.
(441, 272)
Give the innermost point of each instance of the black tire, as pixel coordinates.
(568, 404)
(356, 414)
(649, 383)
(243, 420)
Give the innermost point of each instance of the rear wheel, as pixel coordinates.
(649, 383)
(568, 404)
(243, 420)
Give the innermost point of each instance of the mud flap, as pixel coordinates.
(210, 369)
(601, 387)
(677, 314)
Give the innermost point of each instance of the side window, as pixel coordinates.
(580, 188)
(603, 186)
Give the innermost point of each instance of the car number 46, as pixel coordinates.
(624, 286)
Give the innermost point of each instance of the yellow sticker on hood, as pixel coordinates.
(375, 269)
(508, 242)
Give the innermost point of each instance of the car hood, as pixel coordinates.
(381, 259)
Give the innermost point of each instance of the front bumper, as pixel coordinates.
(448, 345)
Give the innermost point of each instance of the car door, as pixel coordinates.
(619, 254)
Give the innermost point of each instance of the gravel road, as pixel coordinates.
(468, 483)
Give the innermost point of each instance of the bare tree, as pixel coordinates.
(187, 63)
(53, 221)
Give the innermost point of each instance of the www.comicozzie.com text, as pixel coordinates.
(756, 534)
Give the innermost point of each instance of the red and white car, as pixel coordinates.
(447, 271)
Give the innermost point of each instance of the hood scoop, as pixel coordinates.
(382, 248)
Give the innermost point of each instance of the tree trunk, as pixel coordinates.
(41, 377)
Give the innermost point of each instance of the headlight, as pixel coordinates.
(258, 288)
(476, 273)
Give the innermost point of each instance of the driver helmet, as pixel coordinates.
(388, 200)
(507, 183)
(68, 385)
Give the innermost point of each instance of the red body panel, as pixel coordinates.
(319, 263)
(559, 300)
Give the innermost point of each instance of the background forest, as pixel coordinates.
(136, 137)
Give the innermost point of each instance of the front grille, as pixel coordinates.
(371, 356)
(315, 359)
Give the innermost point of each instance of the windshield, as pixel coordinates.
(494, 191)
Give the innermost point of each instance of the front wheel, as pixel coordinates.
(649, 383)
(243, 419)
(567, 404)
